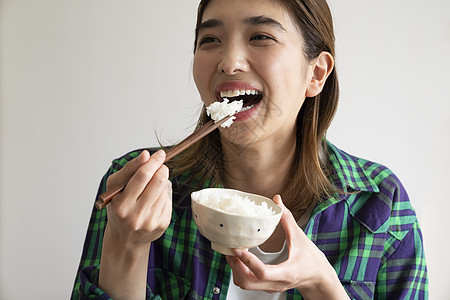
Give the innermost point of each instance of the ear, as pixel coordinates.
(322, 67)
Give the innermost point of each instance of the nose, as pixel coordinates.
(233, 60)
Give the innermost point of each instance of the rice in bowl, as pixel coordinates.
(233, 204)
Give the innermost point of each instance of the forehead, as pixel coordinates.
(238, 10)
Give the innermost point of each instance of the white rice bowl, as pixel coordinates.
(234, 219)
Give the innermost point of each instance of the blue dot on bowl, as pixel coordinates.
(259, 229)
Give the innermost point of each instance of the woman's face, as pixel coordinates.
(252, 50)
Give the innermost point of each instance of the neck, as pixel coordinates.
(259, 169)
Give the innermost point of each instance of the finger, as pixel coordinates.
(254, 264)
(122, 176)
(167, 209)
(155, 189)
(241, 273)
(143, 175)
(157, 217)
(245, 278)
(258, 276)
(237, 265)
(166, 195)
(155, 211)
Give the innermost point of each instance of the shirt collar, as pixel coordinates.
(351, 175)
(348, 172)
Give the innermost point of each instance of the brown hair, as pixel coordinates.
(309, 178)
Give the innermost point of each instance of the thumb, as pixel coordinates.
(287, 221)
(277, 199)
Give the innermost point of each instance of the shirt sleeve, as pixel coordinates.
(85, 286)
(86, 281)
(88, 288)
(403, 274)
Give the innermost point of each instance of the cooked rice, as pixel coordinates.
(219, 110)
(233, 204)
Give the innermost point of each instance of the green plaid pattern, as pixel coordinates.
(369, 233)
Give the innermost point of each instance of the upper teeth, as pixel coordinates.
(236, 93)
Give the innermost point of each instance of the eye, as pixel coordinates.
(207, 41)
(259, 37)
(262, 39)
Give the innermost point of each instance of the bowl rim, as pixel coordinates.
(277, 207)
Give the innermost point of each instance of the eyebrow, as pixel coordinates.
(257, 20)
(211, 23)
(263, 20)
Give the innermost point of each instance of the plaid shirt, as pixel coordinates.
(369, 234)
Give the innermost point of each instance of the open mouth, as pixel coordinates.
(249, 97)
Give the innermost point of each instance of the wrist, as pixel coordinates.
(122, 245)
(123, 268)
(325, 286)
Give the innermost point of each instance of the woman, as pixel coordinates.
(347, 230)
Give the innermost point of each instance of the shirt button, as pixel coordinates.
(216, 290)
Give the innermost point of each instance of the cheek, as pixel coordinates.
(196, 72)
(284, 68)
(286, 74)
(203, 69)
(291, 79)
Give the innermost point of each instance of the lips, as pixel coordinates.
(247, 112)
(250, 95)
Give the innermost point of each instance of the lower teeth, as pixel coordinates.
(246, 108)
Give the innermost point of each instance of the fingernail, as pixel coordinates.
(161, 153)
(141, 155)
(277, 199)
(237, 252)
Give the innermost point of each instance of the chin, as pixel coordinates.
(240, 135)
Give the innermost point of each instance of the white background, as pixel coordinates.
(85, 81)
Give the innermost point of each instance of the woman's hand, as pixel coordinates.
(141, 212)
(306, 269)
(136, 217)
